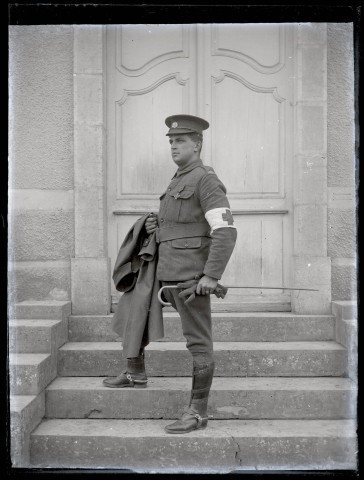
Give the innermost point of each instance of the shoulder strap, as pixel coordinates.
(209, 170)
(192, 177)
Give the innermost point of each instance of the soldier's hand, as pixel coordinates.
(151, 223)
(206, 285)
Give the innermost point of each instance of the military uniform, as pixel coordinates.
(196, 237)
(184, 231)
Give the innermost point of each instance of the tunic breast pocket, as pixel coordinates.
(182, 203)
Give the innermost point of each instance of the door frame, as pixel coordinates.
(310, 265)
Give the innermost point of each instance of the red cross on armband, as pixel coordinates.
(220, 218)
(227, 217)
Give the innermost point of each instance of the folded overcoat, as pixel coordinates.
(138, 318)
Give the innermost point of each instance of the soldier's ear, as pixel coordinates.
(198, 145)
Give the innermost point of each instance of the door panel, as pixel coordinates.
(141, 47)
(238, 77)
(252, 141)
(258, 256)
(141, 138)
(259, 45)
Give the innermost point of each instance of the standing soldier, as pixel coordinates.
(196, 235)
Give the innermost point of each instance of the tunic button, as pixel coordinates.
(169, 189)
(186, 244)
(162, 220)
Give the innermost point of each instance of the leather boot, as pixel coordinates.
(134, 376)
(195, 415)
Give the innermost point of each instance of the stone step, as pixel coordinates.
(36, 309)
(239, 326)
(241, 398)
(37, 336)
(233, 359)
(244, 303)
(346, 313)
(224, 446)
(30, 373)
(26, 412)
(345, 310)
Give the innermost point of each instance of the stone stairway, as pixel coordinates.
(280, 400)
(36, 330)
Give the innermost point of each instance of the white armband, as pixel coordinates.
(220, 218)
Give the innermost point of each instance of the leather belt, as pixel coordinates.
(182, 230)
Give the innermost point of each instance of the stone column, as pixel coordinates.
(90, 270)
(341, 181)
(311, 267)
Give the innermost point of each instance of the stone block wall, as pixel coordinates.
(341, 161)
(310, 264)
(41, 171)
(90, 267)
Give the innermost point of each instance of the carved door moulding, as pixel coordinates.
(251, 86)
(182, 52)
(152, 87)
(217, 50)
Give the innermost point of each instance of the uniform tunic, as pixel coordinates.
(190, 243)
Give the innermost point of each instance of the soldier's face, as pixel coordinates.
(183, 149)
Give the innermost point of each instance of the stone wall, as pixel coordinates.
(341, 161)
(41, 176)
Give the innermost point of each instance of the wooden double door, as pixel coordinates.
(240, 77)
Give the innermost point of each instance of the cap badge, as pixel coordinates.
(174, 125)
